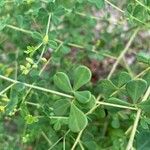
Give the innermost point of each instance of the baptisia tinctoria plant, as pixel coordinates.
(74, 75)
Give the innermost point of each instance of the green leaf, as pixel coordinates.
(106, 88)
(136, 89)
(145, 106)
(82, 75)
(12, 104)
(121, 79)
(143, 140)
(61, 107)
(143, 57)
(3, 23)
(146, 77)
(118, 101)
(57, 125)
(144, 124)
(91, 103)
(83, 96)
(61, 80)
(77, 119)
(115, 122)
(98, 3)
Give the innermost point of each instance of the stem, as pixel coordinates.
(116, 105)
(143, 5)
(85, 15)
(77, 140)
(19, 29)
(59, 140)
(135, 125)
(115, 6)
(123, 53)
(70, 44)
(33, 104)
(48, 24)
(46, 138)
(7, 88)
(122, 11)
(36, 87)
(16, 65)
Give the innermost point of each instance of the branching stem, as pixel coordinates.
(36, 87)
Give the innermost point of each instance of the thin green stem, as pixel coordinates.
(116, 105)
(146, 7)
(58, 140)
(77, 140)
(46, 138)
(122, 11)
(123, 53)
(48, 24)
(19, 29)
(36, 87)
(16, 65)
(7, 88)
(135, 125)
(117, 8)
(70, 44)
(33, 104)
(89, 16)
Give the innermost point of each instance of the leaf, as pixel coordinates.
(146, 77)
(77, 119)
(98, 3)
(143, 57)
(118, 101)
(144, 124)
(61, 107)
(57, 126)
(143, 140)
(145, 106)
(106, 87)
(83, 96)
(115, 122)
(12, 104)
(136, 89)
(3, 23)
(19, 87)
(82, 75)
(121, 79)
(61, 80)
(91, 103)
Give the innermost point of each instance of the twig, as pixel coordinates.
(35, 87)
(123, 53)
